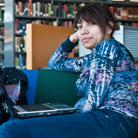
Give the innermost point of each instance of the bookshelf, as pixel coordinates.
(1, 33)
(61, 10)
(57, 13)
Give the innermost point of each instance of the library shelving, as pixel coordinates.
(1, 33)
(55, 13)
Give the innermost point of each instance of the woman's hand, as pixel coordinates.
(74, 37)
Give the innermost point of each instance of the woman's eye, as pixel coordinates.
(79, 27)
(90, 24)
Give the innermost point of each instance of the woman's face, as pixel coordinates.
(90, 34)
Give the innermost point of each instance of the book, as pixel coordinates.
(29, 8)
(38, 8)
(20, 8)
(59, 11)
(42, 9)
(25, 10)
(1, 16)
(34, 10)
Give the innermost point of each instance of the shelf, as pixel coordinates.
(43, 18)
(2, 25)
(36, 18)
(1, 53)
(121, 4)
(2, 39)
(114, 3)
(19, 35)
(127, 21)
(66, 18)
(20, 53)
(63, 1)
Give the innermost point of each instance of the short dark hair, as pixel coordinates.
(96, 13)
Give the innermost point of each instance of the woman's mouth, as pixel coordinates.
(84, 40)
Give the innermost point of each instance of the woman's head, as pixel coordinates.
(97, 14)
(94, 24)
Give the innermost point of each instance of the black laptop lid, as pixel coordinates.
(5, 99)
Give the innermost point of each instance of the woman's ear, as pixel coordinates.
(109, 28)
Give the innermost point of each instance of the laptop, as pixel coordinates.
(36, 110)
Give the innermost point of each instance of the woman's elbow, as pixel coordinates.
(50, 64)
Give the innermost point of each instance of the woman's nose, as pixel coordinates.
(84, 30)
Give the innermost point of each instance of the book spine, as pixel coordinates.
(20, 8)
(29, 5)
(1, 16)
(38, 8)
(25, 11)
(34, 10)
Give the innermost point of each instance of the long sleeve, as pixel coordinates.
(102, 68)
(60, 61)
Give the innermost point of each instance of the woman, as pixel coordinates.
(107, 83)
(108, 78)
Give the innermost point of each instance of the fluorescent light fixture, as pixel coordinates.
(1, 4)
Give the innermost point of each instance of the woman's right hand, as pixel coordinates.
(74, 37)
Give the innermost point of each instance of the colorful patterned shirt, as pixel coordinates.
(108, 78)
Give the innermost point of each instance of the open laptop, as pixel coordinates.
(36, 110)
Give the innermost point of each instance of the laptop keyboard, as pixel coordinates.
(35, 107)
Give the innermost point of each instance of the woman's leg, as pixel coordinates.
(95, 124)
(13, 129)
(119, 126)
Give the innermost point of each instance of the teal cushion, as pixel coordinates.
(56, 86)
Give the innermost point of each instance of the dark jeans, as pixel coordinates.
(94, 124)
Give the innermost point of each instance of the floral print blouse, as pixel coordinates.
(108, 78)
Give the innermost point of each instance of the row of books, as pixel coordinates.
(131, 0)
(20, 25)
(1, 33)
(1, 37)
(1, 46)
(20, 61)
(1, 15)
(46, 9)
(20, 49)
(125, 0)
(1, 62)
(1, 43)
(135, 24)
(20, 44)
(67, 10)
(124, 13)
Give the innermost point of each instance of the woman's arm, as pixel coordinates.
(60, 61)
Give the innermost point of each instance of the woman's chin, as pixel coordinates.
(88, 47)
